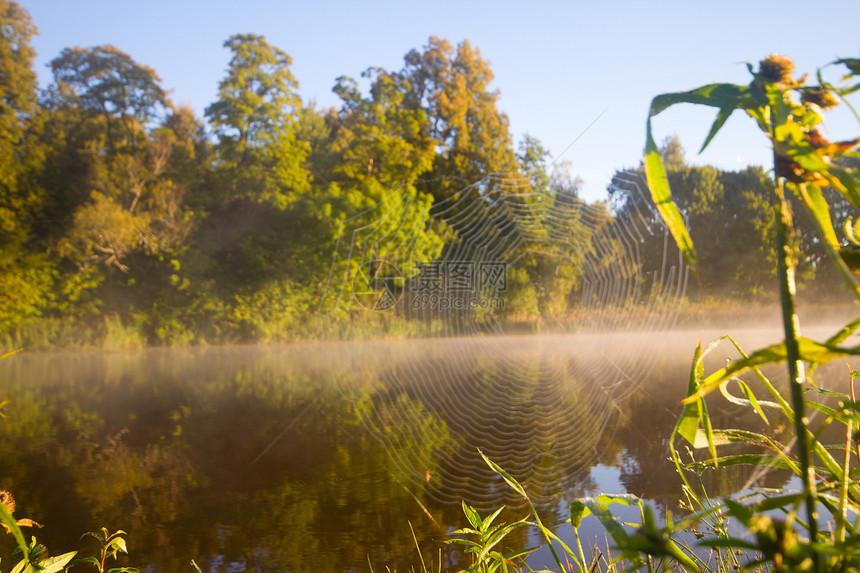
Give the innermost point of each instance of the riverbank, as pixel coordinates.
(113, 333)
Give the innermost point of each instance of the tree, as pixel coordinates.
(242, 268)
(108, 82)
(378, 149)
(112, 111)
(727, 214)
(255, 118)
(378, 137)
(119, 160)
(18, 103)
(256, 100)
(471, 134)
(25, 272)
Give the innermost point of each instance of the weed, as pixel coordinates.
(780, 529)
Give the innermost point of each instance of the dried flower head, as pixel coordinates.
(777, 68)
(7, 500)
(820, 96)
(790, 170)
(816, 140)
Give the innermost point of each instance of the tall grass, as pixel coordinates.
(780, 531)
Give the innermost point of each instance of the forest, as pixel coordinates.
(126, 220)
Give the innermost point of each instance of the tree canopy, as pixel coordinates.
(119, 208)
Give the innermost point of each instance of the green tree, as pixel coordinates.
(378, 137)
(729, 217)
(18, 104)
(119, 160)
(379, 147)
(109, 105)
(255, 118)
(26, 274)
(108, 82)
(471, 134)
(241, 275)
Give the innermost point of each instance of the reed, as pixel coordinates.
(780, 531)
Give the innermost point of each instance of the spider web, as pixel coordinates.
(441, 367)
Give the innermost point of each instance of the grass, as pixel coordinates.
(779, 531)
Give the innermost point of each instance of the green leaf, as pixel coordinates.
(736, 435)
(621, 498)
(777, 502)
(720, 95)
(10, 353)
(827, 410)
(740, 511)
(742, 459)
(826, 392)
(466, 542)
(10, 523)
(658, 183)
(688, 424)
(848, 229)
(91, 560)
(727, 98)
(819, 211)
(853, 65)
(608, 521)
(48, 565)
(817, 206)
(709, 431)
(472, 516)
(501, 534)
(118, 544)
(844, 333)
(810, 351)
(722, 116)
(578, 511)
(751, 399)
(488, 521)
(520, 553)
(848, 179)
(504, 475)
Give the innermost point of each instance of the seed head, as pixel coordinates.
(816, 139)
(7, 500)
(777, 68)
(789, 170)
(820, 96)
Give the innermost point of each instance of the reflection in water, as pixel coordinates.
(544, 414)
(308, 457)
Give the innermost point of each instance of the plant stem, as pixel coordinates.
(791, 326)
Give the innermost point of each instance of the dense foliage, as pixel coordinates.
(126, 220)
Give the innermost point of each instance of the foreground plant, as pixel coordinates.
(112, 544)
(35, 556)
(788, 111)
(482, 549)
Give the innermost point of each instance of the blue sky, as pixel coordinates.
(558, 65)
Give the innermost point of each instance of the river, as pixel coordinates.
(325, 457)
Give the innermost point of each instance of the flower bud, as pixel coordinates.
(777, 68)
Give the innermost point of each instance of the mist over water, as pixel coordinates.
(318, 456)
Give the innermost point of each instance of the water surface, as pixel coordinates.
(320, 456)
